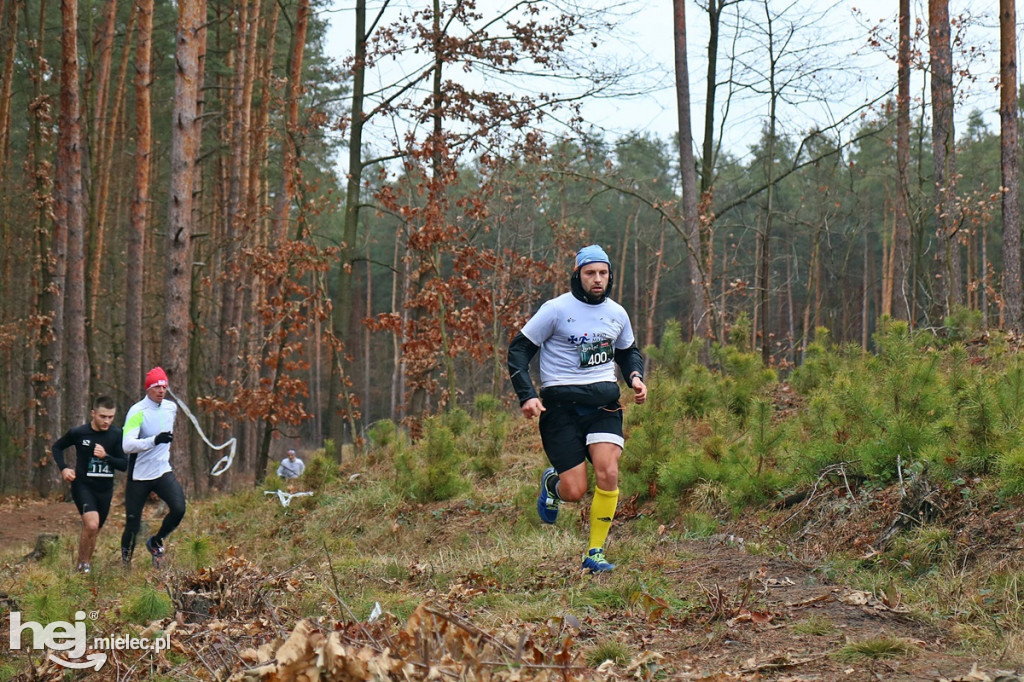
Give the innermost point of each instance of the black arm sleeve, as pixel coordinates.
(520, 351)
(629, 361)
(116, 456)
(58, 448)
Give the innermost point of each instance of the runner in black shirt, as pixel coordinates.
(97, 453)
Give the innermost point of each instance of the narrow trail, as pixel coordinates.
(22, 519)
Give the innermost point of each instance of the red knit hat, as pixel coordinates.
(156, 377)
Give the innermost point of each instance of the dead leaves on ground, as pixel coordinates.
(888, 599)
(433, 644)
(227, 628)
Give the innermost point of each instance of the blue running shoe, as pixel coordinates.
(596, 563)
(547, 505)
(156, 551)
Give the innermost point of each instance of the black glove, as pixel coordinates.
(165, 437)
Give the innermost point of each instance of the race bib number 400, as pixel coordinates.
(596, 353)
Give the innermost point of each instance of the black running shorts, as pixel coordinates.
(566, 430)
(90, 499)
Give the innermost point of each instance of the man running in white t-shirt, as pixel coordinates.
(581, 336)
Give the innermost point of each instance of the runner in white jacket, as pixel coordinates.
(148, 433)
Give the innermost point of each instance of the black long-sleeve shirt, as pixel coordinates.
(97, 472)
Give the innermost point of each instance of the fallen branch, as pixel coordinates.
(787, 663)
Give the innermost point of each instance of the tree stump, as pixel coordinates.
(45, 543)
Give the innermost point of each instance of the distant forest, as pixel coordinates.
(170, 195)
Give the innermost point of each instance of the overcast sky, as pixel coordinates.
(854, 74)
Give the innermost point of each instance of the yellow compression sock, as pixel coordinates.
(602, 511)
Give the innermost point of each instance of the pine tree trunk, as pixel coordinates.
(813, 285)
(398, 265)
(71, 202)
(623, 249)
(901, 282)
(135, 242)
(239, 210)
(51, 257)
(714, 9)
(865, 299)
(655, 286)
(186, 137)
(950, 290)
(688, 171)
(8, 33)
(342, 310)
(765, 236)
(291, 153)
(1009, 165)
(790, 316)
(109, 119)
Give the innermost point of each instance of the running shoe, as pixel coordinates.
(83, 568)
(126, 558)
(595, 562)
(157, 551)
(547, 504)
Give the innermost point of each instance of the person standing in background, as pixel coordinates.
(291, 466)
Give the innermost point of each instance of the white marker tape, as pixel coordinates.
(286, 498)
(224, 462)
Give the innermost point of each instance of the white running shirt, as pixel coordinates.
(578, 340)
(146, 419)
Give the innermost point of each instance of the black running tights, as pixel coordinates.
(167, 489)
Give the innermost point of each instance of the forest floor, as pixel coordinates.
(23, 519)
(765, 617)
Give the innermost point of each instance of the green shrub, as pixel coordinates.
(651, 438)
(743, 376)
(485, 441)
(876, 648)
(609, 650)
(924, 549)
(963, 323)
(50, 604)
(430, 470)
(672, 355)
(698, 392)
(739, 332)
(819, 365)
(1010, 394)
(978, 430)
(765, 435)
(383, 433)
(816, 625)
(197, 551)
(682, 470)
(697, 525)
(1010, 468)
(755, 488)
(487, 404)
(148, 605)
(320, 472)
(457, 421)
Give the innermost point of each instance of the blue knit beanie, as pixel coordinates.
(591, 254)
